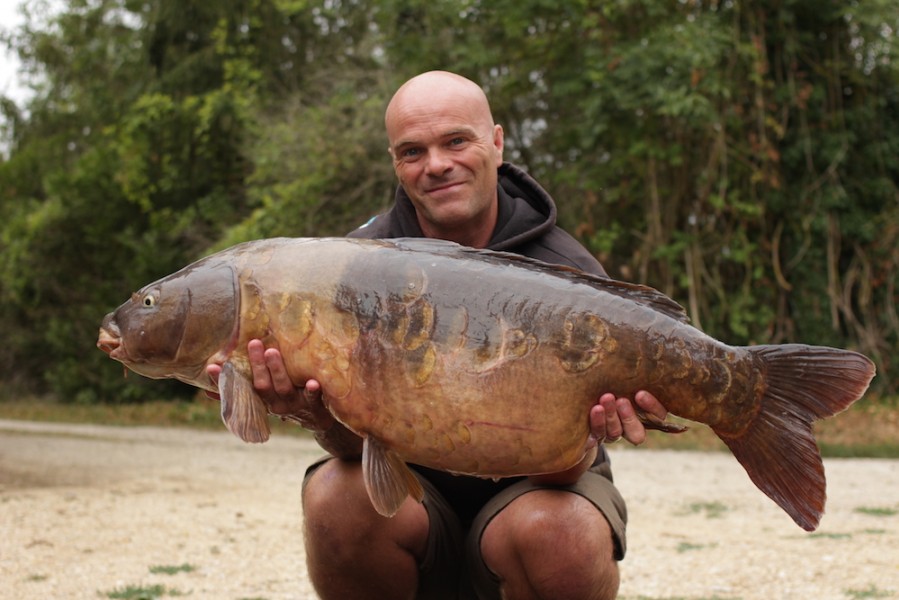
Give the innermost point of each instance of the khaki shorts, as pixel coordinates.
(453, 568)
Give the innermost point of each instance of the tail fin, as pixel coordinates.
(778, 450)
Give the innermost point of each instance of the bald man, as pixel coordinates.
(556, 536)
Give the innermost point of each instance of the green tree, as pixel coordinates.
(741, 157)
(115, 179)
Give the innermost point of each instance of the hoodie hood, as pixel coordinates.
(526, 212)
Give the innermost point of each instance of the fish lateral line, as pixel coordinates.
(494, 425)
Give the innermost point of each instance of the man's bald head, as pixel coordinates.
(435, 91)
(446, 151)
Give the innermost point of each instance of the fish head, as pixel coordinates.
(174, 327)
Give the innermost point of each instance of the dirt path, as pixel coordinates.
(86, 510)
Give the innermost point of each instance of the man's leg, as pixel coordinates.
(551, 544)
(351, 550)
(532, 541)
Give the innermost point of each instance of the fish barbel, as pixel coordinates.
(477, 362)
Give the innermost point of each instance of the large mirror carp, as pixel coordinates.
(477, 362)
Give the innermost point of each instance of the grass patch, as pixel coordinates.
(829, 536)
(712, 510)
(141, 592)
(870, 592)
(876, 511)
(689, 547)
(202, 413)
(866, 430)
(885, 449)
(172, 569)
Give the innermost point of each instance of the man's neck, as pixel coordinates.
(474, 236)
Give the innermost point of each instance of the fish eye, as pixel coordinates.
(149, 301)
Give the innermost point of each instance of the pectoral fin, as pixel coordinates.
(243, 411)
(388, 480)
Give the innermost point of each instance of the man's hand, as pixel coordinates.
(613, 418)
(281, 396)
(303, 405)
(610, 419)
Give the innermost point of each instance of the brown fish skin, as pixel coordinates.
(477, 362)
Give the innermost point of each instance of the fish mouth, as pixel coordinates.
(109, 343)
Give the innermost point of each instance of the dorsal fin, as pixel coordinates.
(641, 294)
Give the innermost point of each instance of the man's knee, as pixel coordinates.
(557, 540)
(568, 520)
(333, 479)
(335, 504)
(351, 550)
(338, 513)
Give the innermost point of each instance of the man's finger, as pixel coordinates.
(651, 404)
(262, 380)
(312, 389)
(614, 429)
(278, 372)
(597, 425)
(213, 371)
(632, 428)
(312, 393)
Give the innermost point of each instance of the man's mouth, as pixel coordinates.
(444, 186)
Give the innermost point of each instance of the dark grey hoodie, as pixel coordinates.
(526, 223)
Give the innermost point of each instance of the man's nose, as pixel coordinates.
(439, 162)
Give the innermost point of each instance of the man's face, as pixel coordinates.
(446, 151)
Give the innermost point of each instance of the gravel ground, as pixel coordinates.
(86, 511)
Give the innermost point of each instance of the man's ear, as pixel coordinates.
(498, 143)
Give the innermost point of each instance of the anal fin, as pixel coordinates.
(243, 411)
(388, 480)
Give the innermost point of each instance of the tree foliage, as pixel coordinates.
(741, 157)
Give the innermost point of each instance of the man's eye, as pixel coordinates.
(410, 153)
(457, 141)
